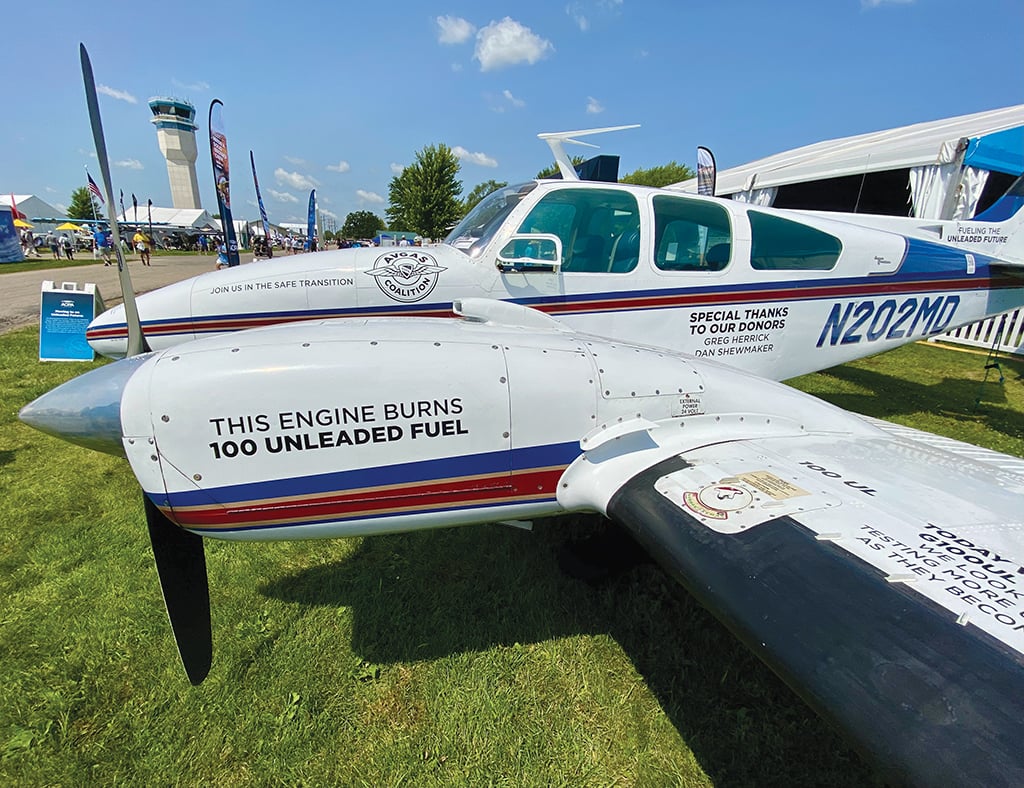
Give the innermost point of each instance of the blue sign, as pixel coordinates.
(10, 244)
(64, 314)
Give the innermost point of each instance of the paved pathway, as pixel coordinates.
(19, 292)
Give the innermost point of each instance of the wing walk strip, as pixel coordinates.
(588, 303)
(931, 701)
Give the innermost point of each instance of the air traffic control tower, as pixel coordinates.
(175, 122)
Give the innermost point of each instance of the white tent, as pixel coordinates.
(193, 218)
(938, 169)
(43, 216)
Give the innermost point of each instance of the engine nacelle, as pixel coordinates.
(348, 427)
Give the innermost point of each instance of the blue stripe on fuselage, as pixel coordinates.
(445, 468)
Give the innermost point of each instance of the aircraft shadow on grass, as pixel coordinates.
(432, 594)
(953, 397)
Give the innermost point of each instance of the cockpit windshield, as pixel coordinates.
(473, 233)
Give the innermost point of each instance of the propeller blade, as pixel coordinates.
(136, 339)
(181, 564)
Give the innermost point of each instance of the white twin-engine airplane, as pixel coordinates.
(878, 570)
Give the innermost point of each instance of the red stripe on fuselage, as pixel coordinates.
(374, 502)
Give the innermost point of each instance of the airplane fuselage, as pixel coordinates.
(771, 292)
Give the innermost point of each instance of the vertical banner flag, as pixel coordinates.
(259, 201)
(124, 217)
(135, 207)
(311, 222)
(219, 155)
(706, 173)
(152, 240)
(15, 213)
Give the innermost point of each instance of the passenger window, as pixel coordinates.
(599, 228)
(779, 244)
(690, 235)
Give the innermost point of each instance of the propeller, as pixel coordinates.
(181, 565)
(180, 556)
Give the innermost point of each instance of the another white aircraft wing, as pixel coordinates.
(879, 572)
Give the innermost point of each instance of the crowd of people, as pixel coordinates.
(60, 246)
(63, 246)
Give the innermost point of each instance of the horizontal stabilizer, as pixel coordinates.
(557, 141)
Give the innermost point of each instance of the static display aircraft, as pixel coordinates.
(878, 570)
(773, 292)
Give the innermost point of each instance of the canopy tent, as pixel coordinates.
(951, 168)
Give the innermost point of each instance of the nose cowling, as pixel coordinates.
(86, 410)
(108, 333)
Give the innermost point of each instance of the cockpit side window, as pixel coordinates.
(690, 235)
(599, 228)
(781, 244)
(475, 231)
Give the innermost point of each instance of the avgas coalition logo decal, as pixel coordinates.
(407, 275)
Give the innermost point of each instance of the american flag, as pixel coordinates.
(94, 188)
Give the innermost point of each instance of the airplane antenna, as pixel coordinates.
(557, 140)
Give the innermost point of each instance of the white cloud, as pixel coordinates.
(456, 67)
(396, 168)
(341, 166)
(515, 102)
(877, 3)
(325, 212)
(366, 196)
(283, 196)
(128, 164)
(474, 158)
(294, 179)
(454, 30)
(507, 43)
(594, 107)
(575, 11)
(295, 160)
(51, 190)
(122, 95)
(193, 86)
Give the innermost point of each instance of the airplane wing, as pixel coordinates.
(892, 603)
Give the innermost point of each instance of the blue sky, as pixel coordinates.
(340, 96)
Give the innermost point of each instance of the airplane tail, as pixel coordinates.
(998, 231)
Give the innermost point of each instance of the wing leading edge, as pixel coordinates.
(892, 609)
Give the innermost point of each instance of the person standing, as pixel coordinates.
(101, 239)
(141, 243)
(51, 241)
(68, 246)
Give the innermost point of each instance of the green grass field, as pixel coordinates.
(454, 657)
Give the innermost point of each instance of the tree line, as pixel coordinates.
(426, 197)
